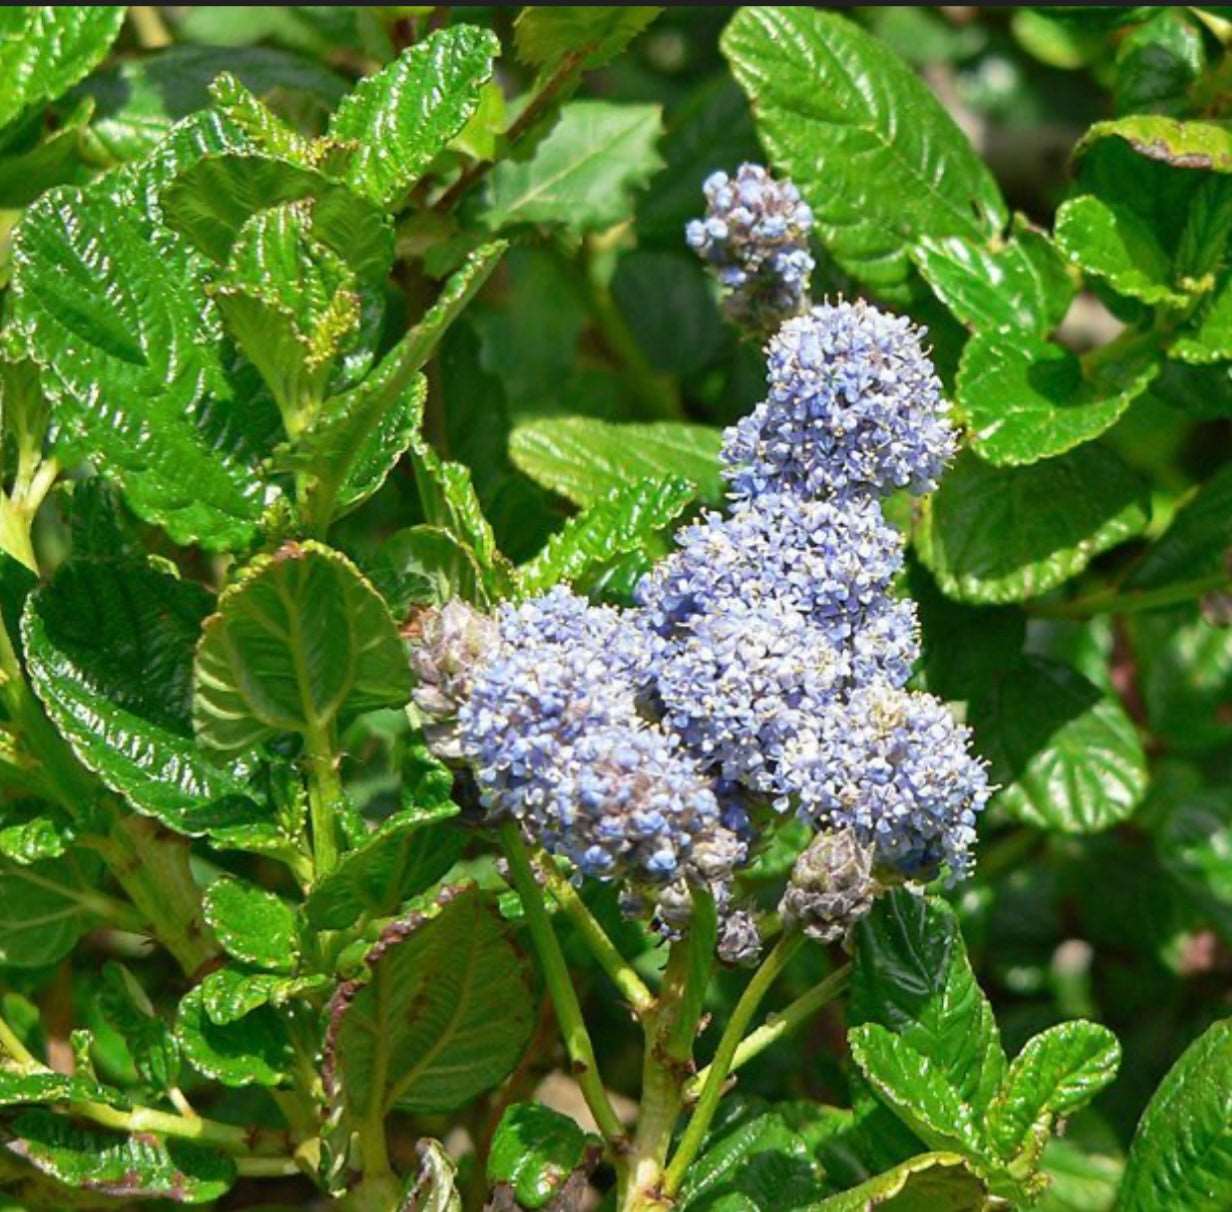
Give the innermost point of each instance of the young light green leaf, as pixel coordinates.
(873, 151)
(19, 1089)
(1115, 243)
(46, 48)
(985, 538)
(46, 907)
(1065, 754)
(1056, 1073)
(912, 976)
(1181, 1156)
(917, 1090)
(1028, 399)
(129, 1167)
(1193, 144)
(443, 1015)
(253, 925)
(620, 523)
(929, 1182)
(135, 369)
(404, 857)
(401, 118)
(251, 1051)
(584, 173)
(1021, 286)
(231, 994)
(109, 650)
(534, 1150)
(1207, 338)
(300, 641)
(594, 34)
(585, 459)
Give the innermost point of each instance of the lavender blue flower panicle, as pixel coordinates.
(754, 235)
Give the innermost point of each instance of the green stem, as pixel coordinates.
(618, 969)
(231, 1137)
(11, 1044)
(720, 1066)
(1110, 601)
(776, 1026)
(324, 795)
(560, 987)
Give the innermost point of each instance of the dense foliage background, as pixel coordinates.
(1048, 190)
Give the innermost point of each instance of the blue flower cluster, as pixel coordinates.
(765, 663)
(755, 237)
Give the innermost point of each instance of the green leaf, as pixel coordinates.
(583, 175)
(755, 1161)
(595, 34)
(444, 1014)
(1065, 754)
(405, 856)
(1197, 538)
(1184, 669)
(1193, 144)
(434, 1188)
(128, 338)
(151, 1043)
(1056, 1073)
(930, 1182)
(1194, 842)
(534, 1150)
(31, 831)
(292, 306)
(426, 566)
(1027, 399)
(1157, 63)
(1181, 1156)
(129, 1167)
(23, 1089)
(253, 925)
(300, 641)
(109, 650)
(873, 151)
(253, 1050)
(585, 459)
(986, 539)
(916, 1089)
(231, 994)
(402, 117)
(1207, 337)
(46, 48)
(46, 907)
(362, 433)
(620, 523)
(1113, 242)
(912, 976)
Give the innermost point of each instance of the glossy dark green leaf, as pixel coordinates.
(109, 648)
(402, 117)
(585, 459)
(1112, 241)
(912, 977)
(299, 641)
(1158, 62)
(875, 154)
(545, 35)
(253, 925)
(930, 1182)
(986, 538)
(47, 48)
(18, 1088)
(1028, 399)
(584, 174)
(621, 523)
(1021, 286)
(1056, 1073)
(1197, 539)
(443, 1015)
(534, 1150)
(405, 856)
(129, 1167)
(135, 368)
(253, 1050)
(1064, 753)
(1181, 1156)
(46, 907)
